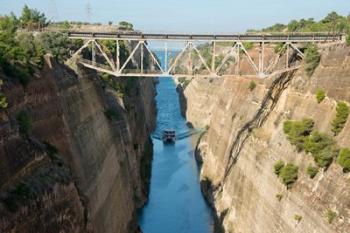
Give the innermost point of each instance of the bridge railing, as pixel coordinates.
(295, 37)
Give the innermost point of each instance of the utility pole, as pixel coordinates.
(88, 12)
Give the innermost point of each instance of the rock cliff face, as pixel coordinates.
(246, 138)
(85, 165)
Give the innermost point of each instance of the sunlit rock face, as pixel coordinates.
(250, 197)
(97, 184)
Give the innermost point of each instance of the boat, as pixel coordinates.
(169, 136)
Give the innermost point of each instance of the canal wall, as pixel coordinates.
(84, 164)
(245, 131)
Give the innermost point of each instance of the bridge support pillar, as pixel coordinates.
(142, 55)
(287, 54)
(93, 51)
(213, 56)
(117, 59)
(190, 71)
(261, 59)
(238, 57)
(165, 56)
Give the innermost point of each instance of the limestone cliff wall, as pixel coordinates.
(101, 181)
(247, 132)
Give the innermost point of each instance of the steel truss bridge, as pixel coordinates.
(290, 45)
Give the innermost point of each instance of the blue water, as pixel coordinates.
(176, 204)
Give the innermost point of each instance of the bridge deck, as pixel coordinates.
(318, 37)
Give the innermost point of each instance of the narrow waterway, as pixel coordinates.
(176, 204)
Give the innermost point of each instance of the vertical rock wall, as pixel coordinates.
(245, 197)
(102, 156)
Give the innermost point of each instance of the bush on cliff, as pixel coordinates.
(312, 171)
(322, 147)
(278, 167)
(312, 59)
(289, 174)
(3, 100)
(320, 95)
(344, 159)
(341, 117)
(252, 85)
(297, 131)
(330, 215)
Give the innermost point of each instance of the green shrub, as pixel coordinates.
(25, 123)
(297, 218)
(312, 171)
(278, 167)
(297, 131)
(312, 59)
(111, 114)
(322, 147)
(320, 95)
(3, 101)
(344, 159)
(330, 215)
(340, 118)
(279, 196)
(289, 174)
(252, 85)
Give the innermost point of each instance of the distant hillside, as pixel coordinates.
(333, 23)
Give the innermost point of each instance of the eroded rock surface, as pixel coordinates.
(101, 177)
(249, 197)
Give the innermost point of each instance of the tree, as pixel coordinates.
(312, 59)
(58, 44)
(293, 26)
(123, 25)
(32, 18)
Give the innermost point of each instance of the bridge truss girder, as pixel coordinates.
(238, 51)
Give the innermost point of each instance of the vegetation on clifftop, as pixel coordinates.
(22, 52)
(333, 23)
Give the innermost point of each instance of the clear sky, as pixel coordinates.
(184, 15)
